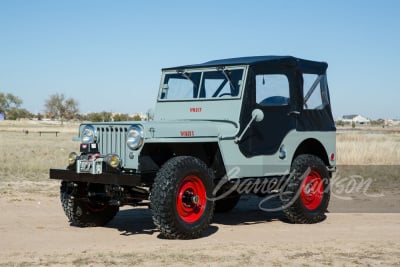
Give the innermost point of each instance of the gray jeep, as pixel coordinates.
(260, 121)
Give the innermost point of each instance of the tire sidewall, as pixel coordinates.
(164, 197)
(294, 207)
(84, 213)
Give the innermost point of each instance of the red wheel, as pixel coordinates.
(181, 209)
(312, 190)
(306, 197)
(191, 200)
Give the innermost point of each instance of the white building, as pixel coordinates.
(357, 119)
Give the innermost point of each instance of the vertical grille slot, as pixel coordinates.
(112, 140)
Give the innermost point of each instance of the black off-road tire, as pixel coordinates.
(307, 171)
(181, 198)
(84, 212)
(227, 203)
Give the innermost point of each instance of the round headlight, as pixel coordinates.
(88, 134)
(134, 138)
(72, 157)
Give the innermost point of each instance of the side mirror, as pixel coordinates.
(257, 115)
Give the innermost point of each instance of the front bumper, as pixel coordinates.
(103, 178)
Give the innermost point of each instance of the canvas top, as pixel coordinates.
(303, 65)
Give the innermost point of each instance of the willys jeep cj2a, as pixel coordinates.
(262, 120)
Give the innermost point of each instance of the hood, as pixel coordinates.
(189, 129)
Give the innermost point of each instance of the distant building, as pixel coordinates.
(396, 122)
(357, 119)
(390, 122)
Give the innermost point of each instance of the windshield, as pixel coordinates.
(212, 84)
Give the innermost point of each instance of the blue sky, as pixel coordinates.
(108, 54)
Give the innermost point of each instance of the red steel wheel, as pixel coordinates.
(191, 199)
(312, 190)
(181, 209)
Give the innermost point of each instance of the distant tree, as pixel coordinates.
(82, 117)
(107, 116)
(18, 113)
(99, 116)
(71, 108)
(121, 117)
(9, 102)
(95, 117)
(136, 117)
(340, 123)
(10, 106)
(39, 117)
(378, 122)
(58, 107)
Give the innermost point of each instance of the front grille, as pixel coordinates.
(112, 139)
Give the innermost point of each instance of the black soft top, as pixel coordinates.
(306, 66)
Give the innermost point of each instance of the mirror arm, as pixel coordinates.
(238, 139)
(256, 115)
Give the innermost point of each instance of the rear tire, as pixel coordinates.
(80, 210)
(306, 197)
(180, 198)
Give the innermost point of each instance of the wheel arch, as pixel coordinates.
(208, 152)
(313, 147)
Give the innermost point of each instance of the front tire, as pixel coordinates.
(81, 210)
(179, 198)
(306, 197)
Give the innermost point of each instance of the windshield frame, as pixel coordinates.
(202, 71)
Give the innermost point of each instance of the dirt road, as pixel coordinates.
(34, 232)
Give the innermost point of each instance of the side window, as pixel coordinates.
(272, 89)
(314, 94)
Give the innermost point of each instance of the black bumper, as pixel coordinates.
(104, 178)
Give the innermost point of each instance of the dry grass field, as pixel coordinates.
(35, 232)
(27, 157)
(368, 147)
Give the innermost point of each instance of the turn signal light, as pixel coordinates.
(113, 160)
(72, 157)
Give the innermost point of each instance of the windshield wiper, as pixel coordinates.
(186, 75)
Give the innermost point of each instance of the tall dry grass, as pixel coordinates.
(25, 159)
(368, 148)
(29, 157)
